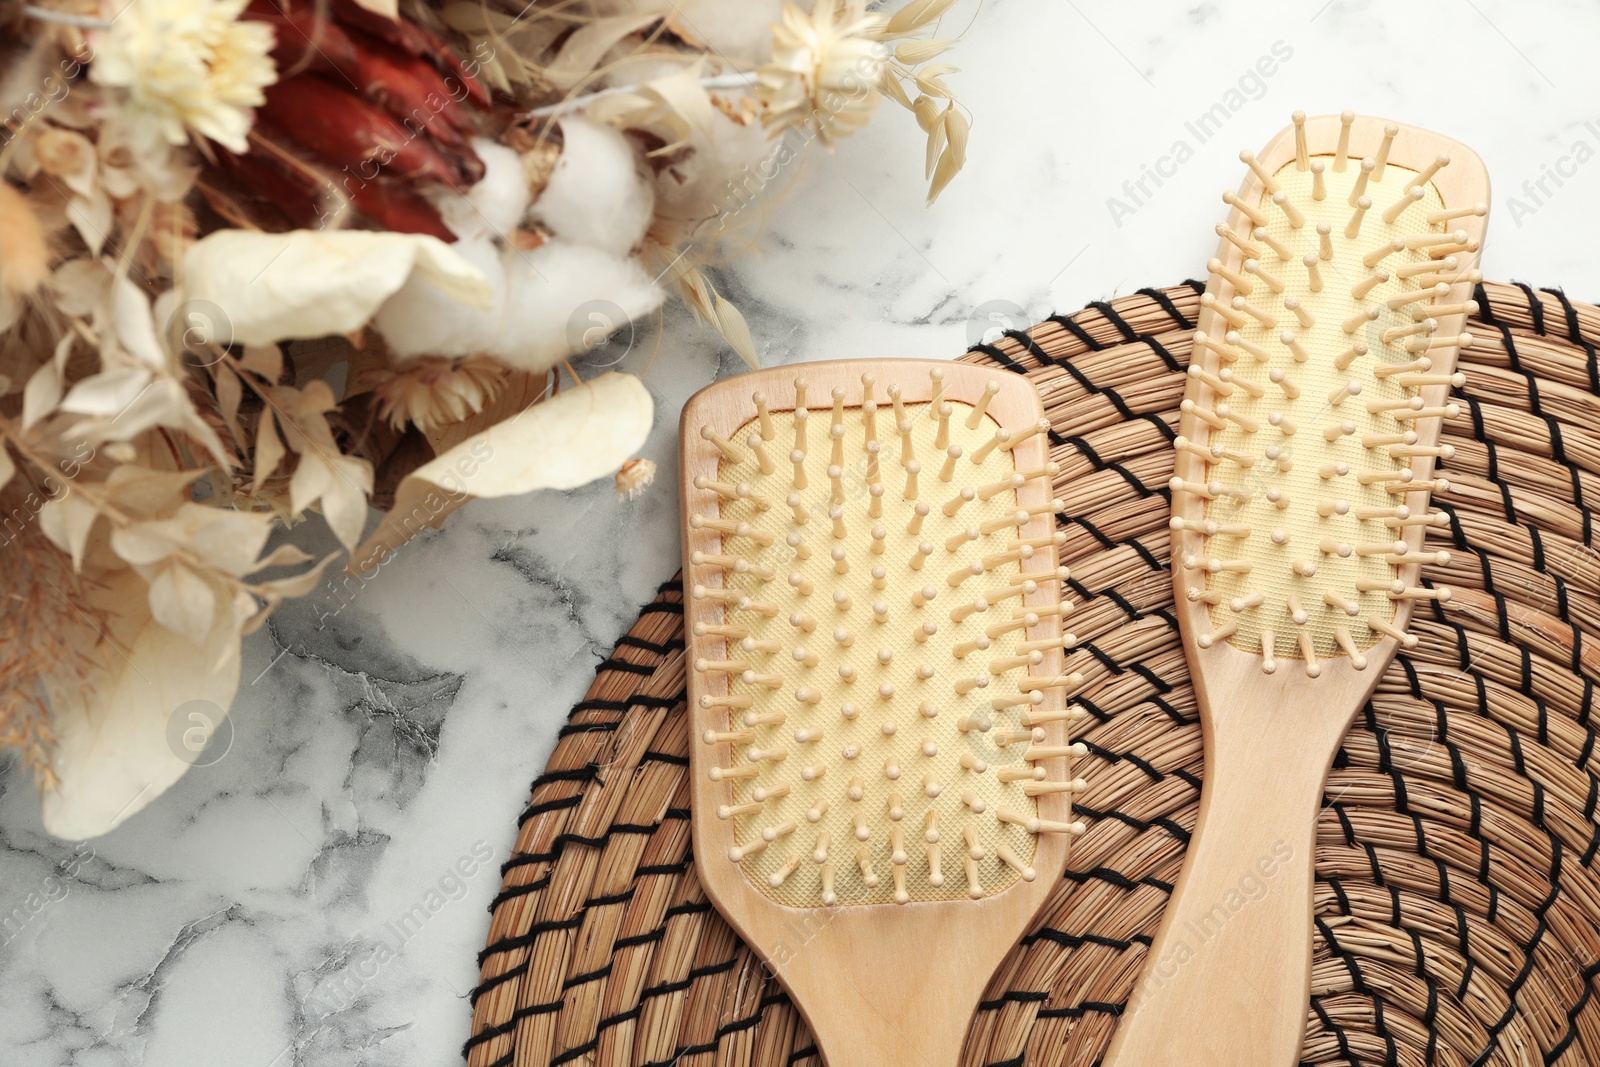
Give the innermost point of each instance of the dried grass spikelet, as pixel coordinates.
(430, 392)
(24, 245)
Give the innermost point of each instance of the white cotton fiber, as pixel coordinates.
(545, 301)
(717, 187)
(559, 291)
(421, 320)
(495, 206)
(598, 194)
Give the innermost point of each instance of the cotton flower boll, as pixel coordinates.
(547, 303)
(597, 194)
(559, 294)
(421, 319)
(495, 205)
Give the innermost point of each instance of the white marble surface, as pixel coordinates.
(391, 730)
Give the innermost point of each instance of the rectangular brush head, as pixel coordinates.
(874, 609)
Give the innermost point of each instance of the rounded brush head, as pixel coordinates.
(1312, 409)
(877, 644)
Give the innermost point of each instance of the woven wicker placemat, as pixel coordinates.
(1457, 895)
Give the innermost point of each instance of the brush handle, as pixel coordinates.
(892, 985)
(1230, 969)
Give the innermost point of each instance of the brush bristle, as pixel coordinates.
(885, 646)
(1306, 410)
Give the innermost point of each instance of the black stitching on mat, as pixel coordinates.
(1128, 332)
(1168, 306)
(664, 649)
(1066, 323)
(994, 353)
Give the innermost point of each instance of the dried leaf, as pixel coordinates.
(41, 395)
(67, 521)
(265, 361)
(269, 451)
(183, 602)
(8, 467)
(298, 584)
(583, 50)
(284, 555)
(311, 283)
(229, 394)
(108, 393)
(91, 218)
(112, 754)
(569, 440)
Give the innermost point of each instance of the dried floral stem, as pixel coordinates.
(745, 80)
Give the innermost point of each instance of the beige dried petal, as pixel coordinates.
(135, 327)
(222, 538)
(41, 395)
(91, 217)
(183, 602)
(284, 555)
(67, 155)
(67, 521)
(569, 440)
(588, 44)
(312, 476)
(298, 584)
(108, 394)
(112, 755)
(269, 451)
(8, 467)
(80, 285)
(344, 501)
(312, 283)
(263, 360)
(229, 395)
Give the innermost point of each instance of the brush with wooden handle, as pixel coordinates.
(1322, 362)
(881, 779)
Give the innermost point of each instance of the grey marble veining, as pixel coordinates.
(316, 897)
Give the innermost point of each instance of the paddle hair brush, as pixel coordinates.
(1310, 423)
(881, 781)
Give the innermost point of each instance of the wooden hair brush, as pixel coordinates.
(881, 775)
(1322, 362)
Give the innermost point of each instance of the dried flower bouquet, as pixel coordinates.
(265, 257)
